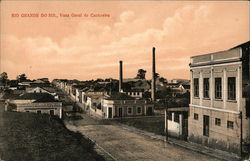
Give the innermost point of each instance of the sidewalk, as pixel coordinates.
(219, 154)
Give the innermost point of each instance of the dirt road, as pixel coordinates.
(125, 145)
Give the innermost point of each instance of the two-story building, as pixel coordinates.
(219, 106)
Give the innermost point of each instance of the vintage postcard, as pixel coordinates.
(124, 80)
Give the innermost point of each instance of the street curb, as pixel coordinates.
(209, 152)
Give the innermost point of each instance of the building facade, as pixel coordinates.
(136, 93)
(122, 105)
(51, 108)
(126, 108)
(40, 103)
(219, 107)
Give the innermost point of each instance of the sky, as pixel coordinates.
(87, 48)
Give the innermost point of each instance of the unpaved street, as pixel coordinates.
(128, 146)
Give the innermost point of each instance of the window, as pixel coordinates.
(230, 124)
(217, 121)
(39, 112)
(196, 87)
(196, 116)
(218, 93)
(51, 112)
(139, 110)
(129, 110)
(231, 88)
(206, 87)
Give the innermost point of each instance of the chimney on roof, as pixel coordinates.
(153, 76)
(120, 79)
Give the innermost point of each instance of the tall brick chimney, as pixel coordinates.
(120, 78)
(153, 76)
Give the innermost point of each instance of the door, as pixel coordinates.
(185, 129)
(247, 106)
(110, 113)
(120, 112)
(150, 111)
(205, 125)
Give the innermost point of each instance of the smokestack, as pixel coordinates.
(120, 79)
(153, 76)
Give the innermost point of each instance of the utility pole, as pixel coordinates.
(240, 116)
(166, 121)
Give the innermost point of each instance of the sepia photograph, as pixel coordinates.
(124, 80)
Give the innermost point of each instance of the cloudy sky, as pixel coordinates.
(90, 47)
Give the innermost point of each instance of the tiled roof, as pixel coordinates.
(119, 96)
(10, 96)
(186, 86)
(49, 89)
(47, 98)
(39, 97)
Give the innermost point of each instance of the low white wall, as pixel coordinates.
(97, 113)
(173, 128)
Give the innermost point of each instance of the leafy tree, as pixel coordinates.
(112, 86)
(157, 75)
(161, 79)
(3, 78)
(99, 80)
(141, 74)
(21, 77)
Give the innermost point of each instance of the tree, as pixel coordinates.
(21, 77)
(161, 79)
(3, 78)
(157, 75)
(141, 74)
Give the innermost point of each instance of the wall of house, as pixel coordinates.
(125, 105)
(220, 137)
(78, 94)
(43, 107)
(223, 72)
(22, 101)
(135, 94)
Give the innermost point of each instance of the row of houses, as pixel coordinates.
(40, 98)
(106, 104)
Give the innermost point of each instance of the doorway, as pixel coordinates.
(150, 111)
(205, 125)
(110, 113)
(120, 112)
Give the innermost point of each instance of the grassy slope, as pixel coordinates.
(32, 137)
